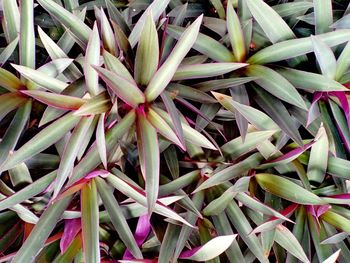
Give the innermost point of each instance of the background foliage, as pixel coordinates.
(174, 131)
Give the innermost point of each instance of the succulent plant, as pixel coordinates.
(174, 131)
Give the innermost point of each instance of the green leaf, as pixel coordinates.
(15, 130)
(108, 38)
(96, 105)
(162, 127)
(276, 84)
(156, 8)
(11, 15)
(117, 218)
(41, 141)
(278, 112)
(323, 12)
(113, 64)
(336, 220)
(77, 27)
(147, 143)
(10, 81)
(70, 153)
(235, 33)
(140, 197)
(117, 16)
(219, 8)
(325, 57)
(257, 118)
(237, 147)
(264, 14)
(205, 70)
(292, 8)
(231, 172)
(174, 116)
(27, 35)
(42, 79)
(91, 160)
(343, 63)
(209, 250)
(101, 140)
(166, 72)
(92, 57)
(147, 54)
(317, 166)
(41, 231)
(9, 102)
(218, 84)
(8, 51)
(90, 222)
(286, 189)
(310, 81)
(244, 229)
(205, 45)
(20, 175)
(27, 192)
(297, 47)
(191, 135)
(288, 241)
(55, 100)
(125, 89)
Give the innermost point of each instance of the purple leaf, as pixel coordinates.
(141, 233)
(313, 111)
(71, 229)
(344, 103)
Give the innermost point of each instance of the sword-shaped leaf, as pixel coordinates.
(42, 79)
(276, 84)
(310, 81)
(92, 57)
(235, 33)
(147, 54)
(10, 81)
(90, 222)
(209, 250)
(44, 139)
(297, 47)
(205, 45)
(27, 35)
(286, 189)
(264, 14)
(117, 218)
(207, 70)
(76, 26)
(55, 100)
(125, 89)
(147, 143)
(166, 72)
(318, 160)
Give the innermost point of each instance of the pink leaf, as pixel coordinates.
(141, 233)
(71, 229)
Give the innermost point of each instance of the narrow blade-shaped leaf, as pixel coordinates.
(264, 14)
(117, 217)
(165, 73)
(147, 142)
(147, 55)
(90, 222)
(205, 70)
(210, 250)
(92, 57)
(276, 84)
(235, 32)
(286, 189)
(125, 89)
(41, 141)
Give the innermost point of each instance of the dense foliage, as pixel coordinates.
(174, 131)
